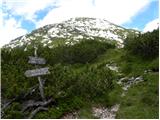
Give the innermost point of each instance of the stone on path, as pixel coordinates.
(105, 113)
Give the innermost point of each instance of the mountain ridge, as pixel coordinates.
(73, 30)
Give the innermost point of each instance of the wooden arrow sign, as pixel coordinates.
(37, 72)
(36, 60)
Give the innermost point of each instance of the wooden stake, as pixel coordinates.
(41, 89)
(39, 79)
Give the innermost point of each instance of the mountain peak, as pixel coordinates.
(72, 31)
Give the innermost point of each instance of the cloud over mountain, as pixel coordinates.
(154, 24)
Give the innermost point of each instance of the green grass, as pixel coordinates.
(141, 101)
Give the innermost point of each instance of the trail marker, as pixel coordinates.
(36, 60)
(38, 71)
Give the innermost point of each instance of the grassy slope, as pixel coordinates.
(141, 101)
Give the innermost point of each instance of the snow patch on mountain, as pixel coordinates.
(72, 31)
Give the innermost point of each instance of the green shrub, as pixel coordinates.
(83, 52)
(62, 106)
(145, 45)
(154, 65)
(89, 82)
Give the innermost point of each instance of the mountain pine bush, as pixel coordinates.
(145, 45)
(84, 52)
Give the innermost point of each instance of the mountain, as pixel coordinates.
(74, 30)
(90, 79)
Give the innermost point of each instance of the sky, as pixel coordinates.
(20, 17)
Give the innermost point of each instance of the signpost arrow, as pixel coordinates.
(36, 60)
(37, 72)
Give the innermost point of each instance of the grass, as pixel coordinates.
(141, 101)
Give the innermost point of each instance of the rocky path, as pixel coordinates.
(110, 113)
(127, 82)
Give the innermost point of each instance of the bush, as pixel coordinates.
(154, 66)
(65, 80)
(84, 52)
(87, 83)
(63, 106)
(145, 45)
(94, 83)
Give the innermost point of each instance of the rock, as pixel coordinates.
(147, 71)
(123, 94)
(119, 82)
(139, 78)
(125, 88)
(128, 82)
(112, 67)
(105, 113)
(72, 115)
(115, 108)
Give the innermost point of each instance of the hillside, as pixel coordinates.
(94, 78)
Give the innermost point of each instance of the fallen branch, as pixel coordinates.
(36, 104)
(33, 113)
(30, 91)
(21, 96)
(7, 104)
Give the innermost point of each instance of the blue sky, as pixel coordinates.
(142, 18)
(22, 16)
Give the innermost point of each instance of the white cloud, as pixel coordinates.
(27, 8)
(135, 28)
(154, 24)
(10, 27)
(116, 11)
(10, 30)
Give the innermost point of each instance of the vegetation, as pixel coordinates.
(79, 78)
(145, 45)
(84, 52)
(141, 101)
(65, 81)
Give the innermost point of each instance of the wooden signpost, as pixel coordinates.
(36, 60)
(38, 71)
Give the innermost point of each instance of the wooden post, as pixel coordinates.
(35, 51)
(37, 72)
(39, 79)
(41, 88)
